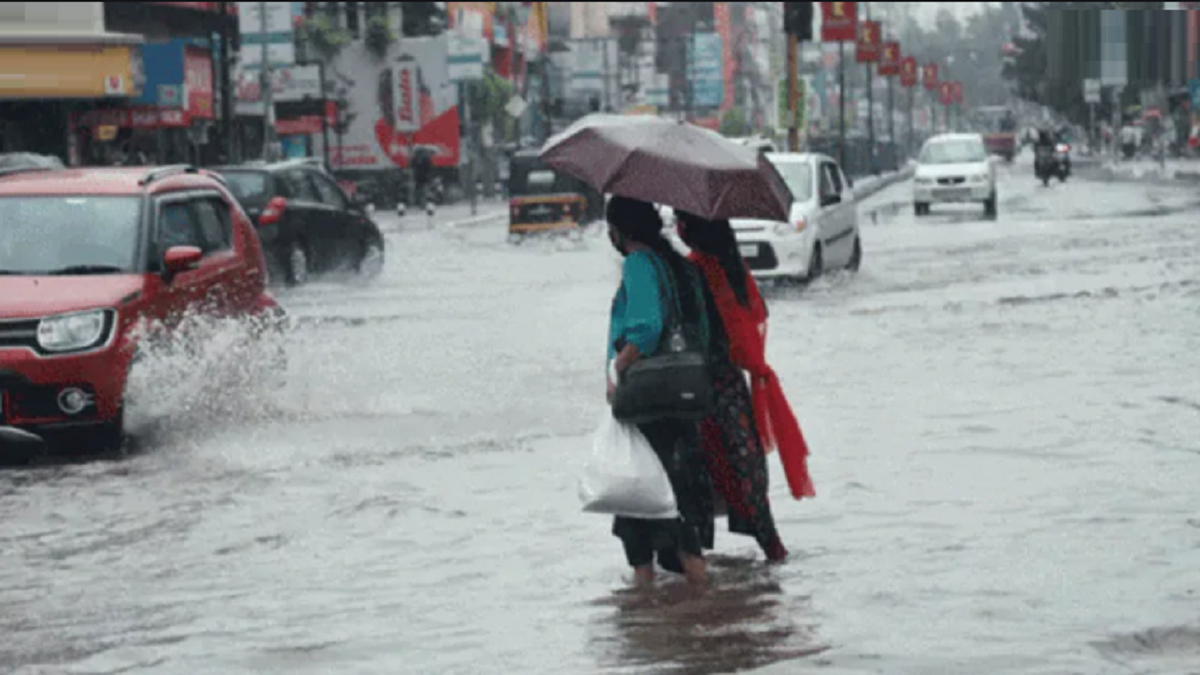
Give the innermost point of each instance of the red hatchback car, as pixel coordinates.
(87, 256)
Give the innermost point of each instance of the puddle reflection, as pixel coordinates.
(744, 620)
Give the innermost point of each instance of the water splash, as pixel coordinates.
(205, 373)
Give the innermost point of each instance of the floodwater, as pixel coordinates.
(1004, 418)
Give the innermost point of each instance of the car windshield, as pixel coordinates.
(957, 151)
(249, 187)
(69, 235)
(798, 177)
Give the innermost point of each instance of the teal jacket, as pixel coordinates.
(637, 309)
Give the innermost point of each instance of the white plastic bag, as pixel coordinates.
(624, 477)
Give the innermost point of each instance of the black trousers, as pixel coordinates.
(677, 444)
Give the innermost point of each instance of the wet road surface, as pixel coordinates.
(1004, 418)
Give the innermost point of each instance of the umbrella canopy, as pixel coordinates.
(672, 163)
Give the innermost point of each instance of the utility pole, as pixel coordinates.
(797, 23)
(793, 93)
(225, 52)
(842, 104)
(870, 106)
(912, 146)
(267, 87)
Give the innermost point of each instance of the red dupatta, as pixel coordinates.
(746, 328)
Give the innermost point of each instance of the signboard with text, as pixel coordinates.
(839, 21)
(869, 45)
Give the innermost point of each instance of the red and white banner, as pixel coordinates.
(870, 40)
(889, 61)
(839, 21)
(308, 124)
(908, 71)
(946, 92)
(198, 81)
(408, 105)
(929, 76)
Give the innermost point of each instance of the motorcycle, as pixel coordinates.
(1052, 162)
(1062, 154)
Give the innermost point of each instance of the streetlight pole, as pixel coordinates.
(267, 87)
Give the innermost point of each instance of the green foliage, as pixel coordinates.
(379, 36)
(488, 98)
(323, 35)
(734, 123)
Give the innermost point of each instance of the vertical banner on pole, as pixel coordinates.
(839, 23)
(868, 47)
(908, 80)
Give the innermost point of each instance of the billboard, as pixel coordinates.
(369, 91)
(706, 70)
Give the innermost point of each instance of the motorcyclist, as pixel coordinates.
(1043, 151)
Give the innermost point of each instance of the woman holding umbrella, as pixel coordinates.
(636, 326)
(740, 432)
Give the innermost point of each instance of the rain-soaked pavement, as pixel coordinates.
(1004, 418)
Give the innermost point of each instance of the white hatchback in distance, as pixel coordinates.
(822, 230)
(954, 169)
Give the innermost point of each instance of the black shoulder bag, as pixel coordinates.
(676, 381)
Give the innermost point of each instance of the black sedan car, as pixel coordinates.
(306, 222)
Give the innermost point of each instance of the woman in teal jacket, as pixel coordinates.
(636, 327)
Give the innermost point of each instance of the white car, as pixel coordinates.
(822, 231)
(954, 169)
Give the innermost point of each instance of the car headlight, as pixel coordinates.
(922, 180)
(74, 332)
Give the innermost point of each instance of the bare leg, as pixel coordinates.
(695, 569)
(643, 575)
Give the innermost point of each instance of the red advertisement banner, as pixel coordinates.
(870, 42)
(889, 62)
(839, 21)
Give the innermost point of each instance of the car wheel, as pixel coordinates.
(297, 264)
(816, 265)
(855, 256)
(371, 263)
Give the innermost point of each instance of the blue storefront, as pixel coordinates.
(170, 121)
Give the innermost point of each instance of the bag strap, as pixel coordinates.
(673, 309)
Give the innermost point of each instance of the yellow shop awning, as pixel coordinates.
(67, 71)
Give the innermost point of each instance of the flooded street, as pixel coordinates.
(1004, 418)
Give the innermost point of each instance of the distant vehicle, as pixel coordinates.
(305, 220)
(759, 144)
(542, 200)
(954, 169)
(822, 230)
(87, 256)
(999, 127)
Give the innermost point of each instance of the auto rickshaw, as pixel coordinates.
(544, 201)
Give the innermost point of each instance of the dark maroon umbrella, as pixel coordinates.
(672, 163)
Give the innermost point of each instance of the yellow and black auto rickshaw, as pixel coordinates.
(542, 200)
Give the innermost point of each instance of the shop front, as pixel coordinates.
(170, 121)
(299, 106)
(43, 85)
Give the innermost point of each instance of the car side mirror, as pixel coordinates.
(830, 199)
(180, 259)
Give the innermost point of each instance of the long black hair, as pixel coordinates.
(716, 238)
(638, 221)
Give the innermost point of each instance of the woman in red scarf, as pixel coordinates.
(745, 427)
